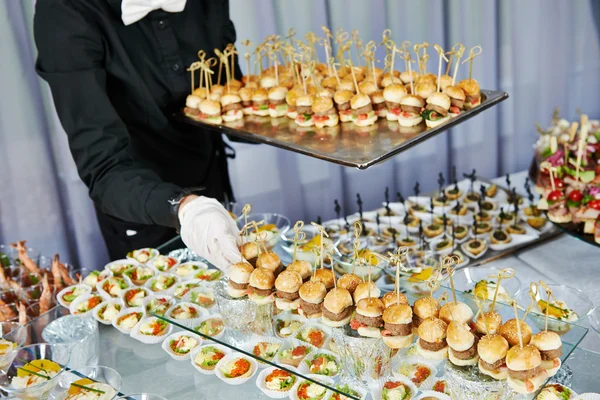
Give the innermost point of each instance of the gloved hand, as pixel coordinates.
(209, 230)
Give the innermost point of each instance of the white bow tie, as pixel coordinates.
(134, 10)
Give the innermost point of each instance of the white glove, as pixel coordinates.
(210, 231)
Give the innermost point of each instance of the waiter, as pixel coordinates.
(117, 71)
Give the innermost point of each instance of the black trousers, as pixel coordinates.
(122, 237)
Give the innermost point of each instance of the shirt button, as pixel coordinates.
(162, 24)
(175, 67)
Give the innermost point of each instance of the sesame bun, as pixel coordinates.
(349, 282)
(523, 359)
(246, 93)
(459, 336)
(370, 307)
(546, 341)
(288, 281)
(427, 78)
(407, 77)
(330, 82)
(260, 95)
(249, 250)
(324, 92)
(312, 292)
(492, 348)
(305, 100)
(432, 330)
(291, 97)
(262, 279)
(230, 98)
(390, 298)
(277, 93)
(347, 84)
(445, 81)
(470, 87)
(388, 80)
(493, 320)
(337, 300)
(398, 342)
(210, 107)
(359, 100)
(377, 97)
(302, 267)
(325, 276)
(268, 260)
(455, 92)
(394, 93)
(240, 272)
(200, 92)
(322, 104)
(362, 291)
(412, 100)
(268, 82)
(456, 311)
(426, 307)
(439, 99)
(425, 88)
(398, 314)
(511, 334)
(193, 101)
(368, 87)
(342, 96)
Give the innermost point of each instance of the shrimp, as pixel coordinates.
(6, 313)
(58, 283)
(46, 297)
(26, 262)
(4, 281)
(22, 314)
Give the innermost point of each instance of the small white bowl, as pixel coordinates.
(103, 305)
(274, 394)
(305, 368)
(84, 299)
(408, 361)
(168, 291)
(163, 269)
(189, 269)
(323, 379)
(197, 350)
(124, 312)
(289, 317)
(214, 316)
(264, 339)
(133, 255)
(117, 267)
(115, 280)
(188, 322)
(166, 345)
(376, 391)
(232, 357)
(150, 339)
(313, 325)
(433, 394)
(147, 294)
(84, 288)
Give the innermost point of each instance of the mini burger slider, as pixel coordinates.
(510, 331)
(525, 374)
(393, 95)
(349, 282)
(397, 332)
(432, 339)
(368, 319)
(472, 93)
(325, 276)
(290, 99)
(250, 252)
(302, 267)
(411, 106)
(424, 308)
(457, 100)
(492, 351)
(390, 298)
(239, 276)
(231, 107)
(277, 105)
(456, 311)
(210, 112)
(325, 113)
(261, 286)
(550, 346)
(260, 100)
(462, 343)
(337, 308)
(342, 101)
(364, 290)
(311, 299)
(488, 323)
(304, 109)
(436, 111)
(362, 110)
(269, 260)
(379, 105)
(245, 94)
(287, 286)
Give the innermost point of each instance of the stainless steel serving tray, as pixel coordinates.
(346, 144)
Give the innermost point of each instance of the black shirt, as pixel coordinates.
(114, 88)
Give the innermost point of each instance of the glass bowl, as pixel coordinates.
(10, 312)
(343, 260)
(58, 354)
(594, 318)
(142, 396)
(15, 333)
(574, 299)
(419, 266)
(97, 373)
(306, 246)
(276, 226)
(9, 296)
(465, 280)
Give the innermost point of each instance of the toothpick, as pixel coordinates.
(533, 292)
(220, 56)
(573, 131)
(245, 212)
(412, 85)
(514, 304)
(474, 52)
(356, 245)
(583, 133)
(505, 273)
(369, 281)
(441, 55)
(479, 301)
(460, 53)
(354, 77)
(449, 260)
(298, 233)
(196, 65)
